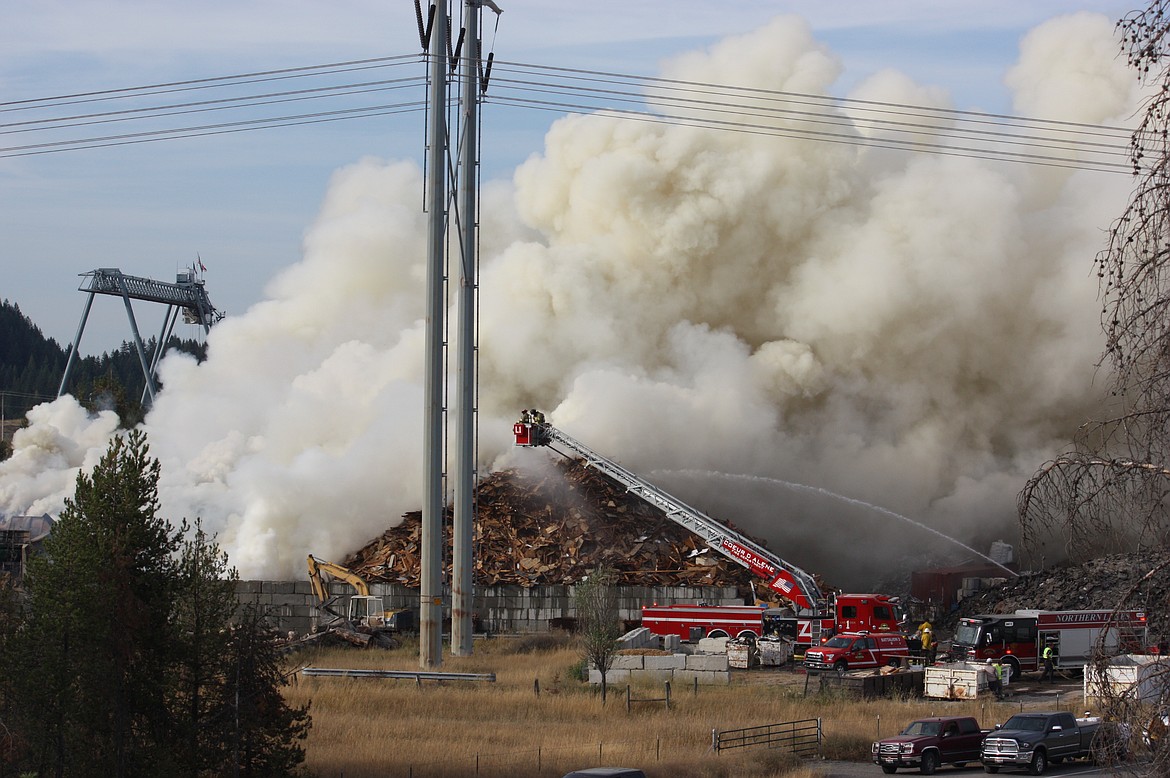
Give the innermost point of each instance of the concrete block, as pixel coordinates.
(628, 662)
(707, 662)
(704, 678)
(611, 678)
(713, 646)
(674, 662)
(280, 600)
(636, 638)
(671, 643)
(657, 677)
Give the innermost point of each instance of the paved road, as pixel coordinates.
(870, 770)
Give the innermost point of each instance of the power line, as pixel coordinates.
(663, 101)
(205, 83)
(227, 103)
(211, 129)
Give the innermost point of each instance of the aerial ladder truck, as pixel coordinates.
(816, 616)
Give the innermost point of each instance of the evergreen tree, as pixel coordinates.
(31, 368)
(97, 642)
(206, 602)
(125, 660)
(265, 731)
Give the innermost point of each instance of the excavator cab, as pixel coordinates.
(367, 611)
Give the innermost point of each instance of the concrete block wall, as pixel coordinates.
(638, 638)
(676, 668)
(291, 605)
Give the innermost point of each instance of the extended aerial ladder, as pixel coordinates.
(786, 579)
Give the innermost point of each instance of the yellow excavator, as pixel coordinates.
(364, 612)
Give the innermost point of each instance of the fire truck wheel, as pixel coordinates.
(929, 763)
(840, 668)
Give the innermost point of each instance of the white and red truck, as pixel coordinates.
(813, 616)
(1018, 639)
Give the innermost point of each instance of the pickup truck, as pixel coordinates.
(1035, 740)
(929, 743)
(858, 651)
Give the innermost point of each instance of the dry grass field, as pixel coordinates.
(379, 727)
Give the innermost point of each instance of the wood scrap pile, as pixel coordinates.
(555, 528)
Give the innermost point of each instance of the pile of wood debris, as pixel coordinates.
(554, 529)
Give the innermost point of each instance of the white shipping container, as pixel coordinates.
(955, 681)
(1140, 677)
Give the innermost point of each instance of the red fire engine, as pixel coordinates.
(848, 612)
(1017, 639)
(814, 617)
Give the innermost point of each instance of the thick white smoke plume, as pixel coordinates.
(719, 311)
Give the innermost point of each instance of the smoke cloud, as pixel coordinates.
(731, 315)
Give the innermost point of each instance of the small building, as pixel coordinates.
(19, 537)
(943, 587)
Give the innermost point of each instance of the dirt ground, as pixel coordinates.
(1027, 691)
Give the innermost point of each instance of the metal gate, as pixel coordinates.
(798, 737)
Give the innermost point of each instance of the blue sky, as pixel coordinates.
(242, 202)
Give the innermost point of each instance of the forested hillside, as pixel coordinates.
(31, 367)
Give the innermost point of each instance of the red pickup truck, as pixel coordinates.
(928, 743)
(858, 651)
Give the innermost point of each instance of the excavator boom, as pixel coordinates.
(786, 579)
(318, 566)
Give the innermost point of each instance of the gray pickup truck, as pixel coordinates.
(1035, 740)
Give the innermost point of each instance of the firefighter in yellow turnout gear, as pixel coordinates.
(925, 635)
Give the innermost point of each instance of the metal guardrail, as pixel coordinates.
(798, 737)
(421, 675)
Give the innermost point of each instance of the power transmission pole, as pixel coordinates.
(462, 584)
(430, 644)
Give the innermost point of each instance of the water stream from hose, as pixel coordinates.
(833, 495)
